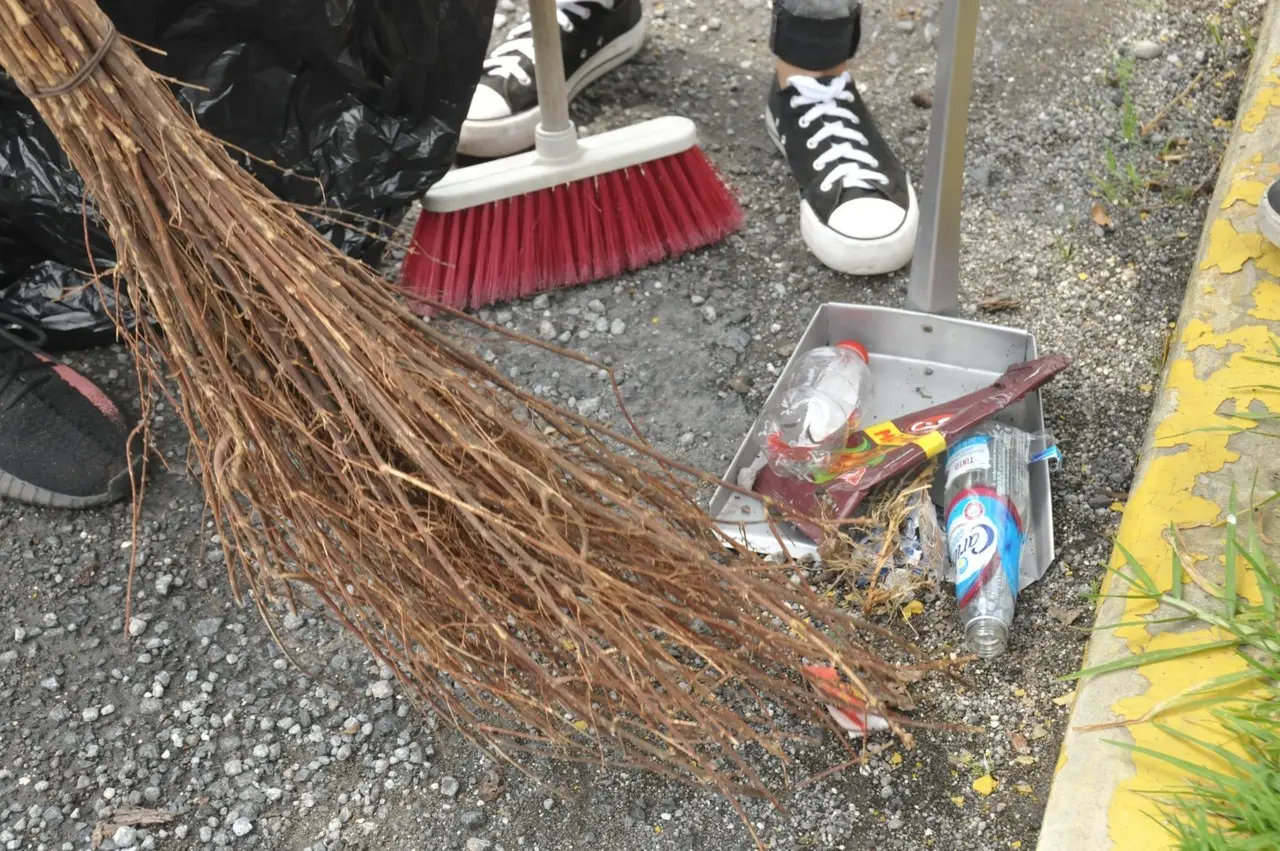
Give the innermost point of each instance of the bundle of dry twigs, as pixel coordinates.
(538, 587)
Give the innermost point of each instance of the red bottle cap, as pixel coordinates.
(856, 347)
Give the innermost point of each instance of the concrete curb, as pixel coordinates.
(1101, 795)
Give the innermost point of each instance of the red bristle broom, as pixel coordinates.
(570, 211)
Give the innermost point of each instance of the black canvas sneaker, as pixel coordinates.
(858, 211)
(1269, 214)
(596, 36)
(62, 439)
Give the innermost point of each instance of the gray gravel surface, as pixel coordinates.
(199, 714)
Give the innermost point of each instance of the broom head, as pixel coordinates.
(515, 227)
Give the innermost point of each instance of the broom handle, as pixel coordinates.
(553, 91)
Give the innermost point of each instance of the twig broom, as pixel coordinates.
(540, 590)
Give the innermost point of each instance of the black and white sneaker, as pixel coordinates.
(596, 37)
(858, 211)
(1269, 213)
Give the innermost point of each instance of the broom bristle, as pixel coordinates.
(588, 230)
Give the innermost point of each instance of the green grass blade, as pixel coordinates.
(1264, 572)
(1240, 763)
(1265, 416)
(1229, 585)
(1189, 767)
(1151, 658)
(1176, 589)
(1144, 622)
(1256, 359)
(1148, 584)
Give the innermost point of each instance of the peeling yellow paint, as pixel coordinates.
(1268, 96)
(1245, 189)
(1229, 250)
(1250, 180)
(1167, 494)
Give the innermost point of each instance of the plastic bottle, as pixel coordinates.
(817, 409)
(988, 499)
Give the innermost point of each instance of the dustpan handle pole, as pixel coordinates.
(553, 92)
(935, 266)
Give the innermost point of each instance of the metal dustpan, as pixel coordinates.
(921, 356)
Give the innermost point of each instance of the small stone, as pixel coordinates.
(292, 621)
(381, 690)
(473, 819)
(49, 684)
(208, 627)
(1146, 49)
(90, 714)
(907, 26)
(233, 767)
(546, 330)
(477, 844)
(686, 439)
(588, 407)
(709, 313)
(714, 24)
(542, 302)
(124, 836)
(241, 826)
(617, 328)
(137, 626)
(499, 20)
(697, 300)
(449, 787)
(895, 823)
(596, 306)
(163, 583)
(548, 804)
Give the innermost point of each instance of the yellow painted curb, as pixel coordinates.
(1102, 794)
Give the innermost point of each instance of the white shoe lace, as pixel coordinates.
(505, 60)
(857, 167)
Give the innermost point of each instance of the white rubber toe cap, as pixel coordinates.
(488, 105)
(870, 236)
(867, 218)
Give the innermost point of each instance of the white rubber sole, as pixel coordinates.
(502, 137)
(11, 487)
(861, 256)
(866, 257)
(1269, 221)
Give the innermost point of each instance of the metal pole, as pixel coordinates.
(935, 266)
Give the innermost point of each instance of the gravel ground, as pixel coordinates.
(200, 715)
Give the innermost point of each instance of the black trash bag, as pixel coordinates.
(349, 105)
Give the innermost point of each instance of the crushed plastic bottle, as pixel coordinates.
(820, 405)
(987, 506)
